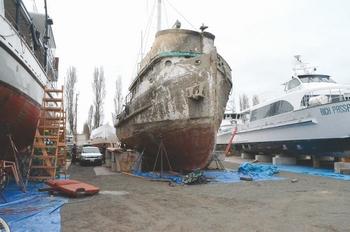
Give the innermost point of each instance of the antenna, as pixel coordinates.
(301, 67)
(298, 58)
(159, 22)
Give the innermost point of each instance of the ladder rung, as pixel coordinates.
(52, 109)
(39, 145)
(41, 167)
(48, 99)
(46, 137)
(52, 118)
(40, 177)
(51, 127)
(54, 90)
(44, 157)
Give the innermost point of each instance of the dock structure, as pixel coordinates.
(48, 155)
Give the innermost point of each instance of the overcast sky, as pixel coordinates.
(257, 38)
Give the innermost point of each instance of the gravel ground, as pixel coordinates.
(129, 203)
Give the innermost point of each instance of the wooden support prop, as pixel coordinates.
(228, 147)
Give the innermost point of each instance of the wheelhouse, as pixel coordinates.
(315, 78)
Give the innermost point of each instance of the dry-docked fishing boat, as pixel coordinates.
(26, 66)
(179, 98)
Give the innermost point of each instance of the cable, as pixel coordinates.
(148, 25)
(166, 17)
(35, 8)
(181, 15)
(145, 40)
(5, 36)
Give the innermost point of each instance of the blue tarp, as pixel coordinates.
(257, 171)
(313, 171)
(32, 210)
(156, 176)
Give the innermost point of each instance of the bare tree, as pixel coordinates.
(71, 80)
(118, 98)
(98, 87)
(75, 117)
(243, 102)
(255, 100)
(86, 130)
(90, 116)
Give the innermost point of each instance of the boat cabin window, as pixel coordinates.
(292, 84)
(270, 110)
(317, 99)
(232, 116)
(315, 79)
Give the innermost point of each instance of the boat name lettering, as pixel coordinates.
(344, 108)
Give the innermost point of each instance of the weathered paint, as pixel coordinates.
(161, 106)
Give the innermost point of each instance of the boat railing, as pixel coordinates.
(325, 96)
(52, 69)
(22, 31)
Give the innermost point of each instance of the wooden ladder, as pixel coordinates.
(49, 147)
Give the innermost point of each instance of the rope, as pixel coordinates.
(181, 14)
(4, 36)
(144, 42)
(166, 16)
(148, 26)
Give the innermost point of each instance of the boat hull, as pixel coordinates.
(319, 130)
(20, 93)
(337, 147)
(178, 99)
(188, 144)
(18, 117)
(22, 76)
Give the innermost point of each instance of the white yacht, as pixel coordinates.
(311, 118)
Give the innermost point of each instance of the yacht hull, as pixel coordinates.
(318, 130)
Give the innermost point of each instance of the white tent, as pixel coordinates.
(103, 134)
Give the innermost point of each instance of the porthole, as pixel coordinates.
(197, 62)
(168, 63)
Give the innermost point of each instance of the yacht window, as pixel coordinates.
(293, 83)
(315, 78)
(270, 110)
(305, 101)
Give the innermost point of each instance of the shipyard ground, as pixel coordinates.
(133, 204)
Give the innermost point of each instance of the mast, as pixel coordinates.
(2, 8)
(141, 52)
(46, 37)
(159, 21)
(18, 4)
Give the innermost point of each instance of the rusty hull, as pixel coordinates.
(179, 95)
